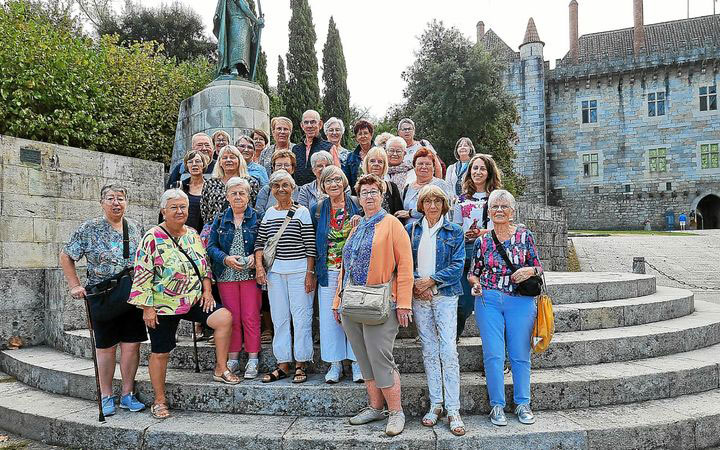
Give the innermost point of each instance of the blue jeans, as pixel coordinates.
(435, 320)
(502, 317)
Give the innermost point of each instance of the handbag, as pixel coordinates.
(109, 298)
(270, 247)
(544, 326)
(530, 287)
(368, 305)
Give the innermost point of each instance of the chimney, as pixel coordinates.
(574, 31)
(639, 28)
(480, 30)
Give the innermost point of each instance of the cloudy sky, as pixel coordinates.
(380, 36)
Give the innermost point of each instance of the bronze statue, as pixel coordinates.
(238, 33)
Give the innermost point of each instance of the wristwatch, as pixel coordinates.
(535, 270)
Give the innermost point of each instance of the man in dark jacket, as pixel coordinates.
(312, 143)
(200, 142)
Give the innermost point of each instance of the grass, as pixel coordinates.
(620, 232)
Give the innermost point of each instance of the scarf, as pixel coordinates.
(356, 252)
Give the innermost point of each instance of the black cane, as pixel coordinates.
(195, 355)
(101, 416)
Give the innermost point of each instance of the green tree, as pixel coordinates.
(336, 96)
(303, 90)
(454, 89)
(262, 75)
(281, 77)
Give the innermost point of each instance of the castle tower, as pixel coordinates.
(529, 88)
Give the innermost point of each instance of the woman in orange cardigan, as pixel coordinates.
(378, 247)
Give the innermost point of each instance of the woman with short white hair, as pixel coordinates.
(310, 194)
(398, 168)
(290, 277)
(334, 131)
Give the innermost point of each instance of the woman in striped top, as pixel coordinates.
(290, 279)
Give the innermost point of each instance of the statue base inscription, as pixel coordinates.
(236, 106)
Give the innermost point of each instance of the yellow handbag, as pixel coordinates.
(544, 326)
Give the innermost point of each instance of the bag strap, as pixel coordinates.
(126, 239)
(318, 210)
(412, 238)
(485, 213)
(285, 223)
(501, 249)
(177, 244)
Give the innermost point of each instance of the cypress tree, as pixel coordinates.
(303, 90)
(262, 76)
(281, 78)
(336, 96)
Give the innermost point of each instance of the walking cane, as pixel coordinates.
(101, 416)
(195, 355)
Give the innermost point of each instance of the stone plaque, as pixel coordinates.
(30, 155)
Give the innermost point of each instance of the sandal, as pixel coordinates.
(300, 375)
(227, 377)
(457, 427)
(277, 374)
(432, 416)
(160, 411)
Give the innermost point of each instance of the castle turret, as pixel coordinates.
(532, 45)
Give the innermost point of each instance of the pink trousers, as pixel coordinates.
(243, 300)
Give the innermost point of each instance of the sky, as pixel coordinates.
(380, 36)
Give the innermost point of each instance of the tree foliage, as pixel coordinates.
(62, 88)
(454, 89)
(336, 96)
(303, 90)
(262, 75)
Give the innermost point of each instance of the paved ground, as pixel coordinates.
(12, 442)
(691, 259)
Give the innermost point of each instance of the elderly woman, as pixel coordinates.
(214, 199)
(439, 253)
(399, 170)
(246, 145)
(464, 150)
(471, 213)
(377, 252)
(423, 162)
(281, 129)
(334, 131)
(195, 163)
(406, 130)
(261, 141)
(220, 139)
(282, 160)
(376, 163)
(172, 282)
(200, 142)
(100, 241)
(231, 249)
(310, 194)
(290, 279)
(505, 318)
(363, 131)
(332, 219)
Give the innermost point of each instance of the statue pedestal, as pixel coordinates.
(235, 106)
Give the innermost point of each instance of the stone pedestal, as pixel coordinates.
(235, 106)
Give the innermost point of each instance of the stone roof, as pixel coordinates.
(497, 47)
(531, 34)
(665, 37)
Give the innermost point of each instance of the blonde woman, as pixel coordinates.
(376, 163)
(230, 164)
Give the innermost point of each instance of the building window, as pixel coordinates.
(656, 104)
(590, 165)
(596, 189)
(559, 193)
(668, 186)
(658, 160)
(628, 188)
(709, 156)
(589, 111)
(708, 98)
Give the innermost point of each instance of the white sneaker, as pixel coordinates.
(251, 369)
(233, 366)
(357, 373)
(334, 373)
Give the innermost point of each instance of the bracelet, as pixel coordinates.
(311, 271)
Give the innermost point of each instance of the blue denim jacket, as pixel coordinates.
(221, 237)
(352, 167)
(449, 257)
(321, 222)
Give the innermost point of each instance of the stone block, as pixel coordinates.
(21, 205)
(567, 319)
(238, 117)
(261, 121)
(594, 318)
(15, 179)
(16, 229)
(81, 429)
(29, 254)
(44, 183)
(612, 290)
(29, 325)
(213, 97)
(78, 210)
(213, 117)
(22, 289)
(78, 161)
(247, 97)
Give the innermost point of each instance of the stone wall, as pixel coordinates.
(549, 226)
(47, 190)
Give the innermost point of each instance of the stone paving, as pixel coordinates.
(693, 259)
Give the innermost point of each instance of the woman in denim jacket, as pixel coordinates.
(438, 248)
(333, 220)
(231, 248)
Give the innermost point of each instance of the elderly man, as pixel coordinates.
(312, 143)
(406, 130)
(200, 142)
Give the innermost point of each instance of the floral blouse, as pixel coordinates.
(214, 201)
(164, 278)
(338, 233)
(490, 266)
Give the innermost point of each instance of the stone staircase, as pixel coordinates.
(632, 366)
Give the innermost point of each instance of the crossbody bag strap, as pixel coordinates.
(285, 223)
(126, 239)
(485, 213)
(177, 244)
(502, 251)
(412, 238)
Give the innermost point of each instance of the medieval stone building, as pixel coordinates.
(625, 130)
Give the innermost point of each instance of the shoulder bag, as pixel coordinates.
(544, 326)
(530, 287)
(270, 247)
(109, 298)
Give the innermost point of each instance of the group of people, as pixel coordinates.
(253, 230)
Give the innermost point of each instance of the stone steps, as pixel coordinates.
(552, 389)
(572, 287)
(696, 330)
(685, 422)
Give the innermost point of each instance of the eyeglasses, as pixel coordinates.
(114, 199)
(176, 208)
(500, 207)
(285, 185)
(394, 152)
(309, 122)
(250, 146)
(331, 181)
(205, 145)
(433, 201)
(334, 130)
(366, 194)
(424, 164)
(279, 166)
(376, 161)
(406, 130)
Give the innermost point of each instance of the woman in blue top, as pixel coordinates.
(464, 150)
(438, 248)
(246, 145)
(333, 219)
